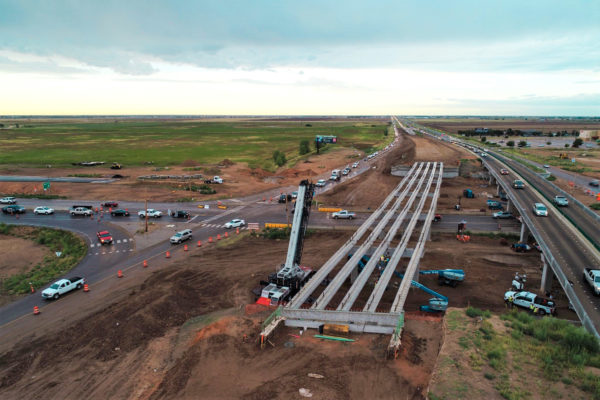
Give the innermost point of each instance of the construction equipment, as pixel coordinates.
(563, 156)
(292, 275)
(450, 277)
(116, 165)
(439, 302)
(468, 193)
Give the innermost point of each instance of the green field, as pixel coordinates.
(174, 141)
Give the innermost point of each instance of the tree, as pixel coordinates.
(304, 147)
(522, 143)
(577, 142)
(510, 143)
(483, 138)
(279, 158)
(566, 144)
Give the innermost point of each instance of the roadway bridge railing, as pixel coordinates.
(556, 268)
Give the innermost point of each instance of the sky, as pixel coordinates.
(422, 57)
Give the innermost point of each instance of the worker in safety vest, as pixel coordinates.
(531, 307)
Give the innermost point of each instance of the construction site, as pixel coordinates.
(344, 313)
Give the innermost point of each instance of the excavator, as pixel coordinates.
(292, 276)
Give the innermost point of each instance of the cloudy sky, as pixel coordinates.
(300, 57)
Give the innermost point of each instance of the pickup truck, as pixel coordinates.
(561, 201)
(152, 213)
(215, 179)
(344, 214)
(592, 276)
(81, 211)
(62, 286)
(526, 299)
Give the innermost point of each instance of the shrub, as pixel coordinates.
(279, 158)
(476, 312)
(595, 206)
(510, 143)
(276, 233)
(304, 147)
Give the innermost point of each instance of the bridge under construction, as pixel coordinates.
(360, 298)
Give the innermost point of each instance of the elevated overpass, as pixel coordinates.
(569, 237)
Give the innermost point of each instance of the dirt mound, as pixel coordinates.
(226, 163)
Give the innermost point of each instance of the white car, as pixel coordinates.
(43, 210)
(181, 236)
(321, 183)
(355, 165)
(540, 209)
(235, 223)
(8, 200)
(152, 213)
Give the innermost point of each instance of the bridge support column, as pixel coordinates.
(547, 276)
(508, 205)
(491, 180)
(524, 233)
(498, 190)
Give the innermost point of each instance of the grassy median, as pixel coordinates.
(72, 249)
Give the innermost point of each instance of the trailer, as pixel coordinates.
(450, 277)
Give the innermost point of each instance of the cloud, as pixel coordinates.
(124, 36)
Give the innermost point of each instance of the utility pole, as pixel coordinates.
(287, 215)
(146, 215)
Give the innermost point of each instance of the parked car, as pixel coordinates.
(595, 183)
(294, 195)
(180, 214)
(504, 171)
(8, 200)
(502, 215)
(561, 201)
(346, 171)
(235, 223)
(321, 183)
(494, 205)
(181, 236)
(343, 214)
(119, 213)
(540, 210)
(527, 300)
(13, 209)
(104, 237)
(283, 198)
(62, 286)
(355, 165)
(546, 166)
(110, 204)
(43, 210)
(152, 213)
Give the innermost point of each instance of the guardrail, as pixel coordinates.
(556, 268)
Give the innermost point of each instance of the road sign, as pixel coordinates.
(46, 185)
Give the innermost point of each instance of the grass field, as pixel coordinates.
(174, 141)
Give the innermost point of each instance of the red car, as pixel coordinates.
(104, 237)
(110, 204)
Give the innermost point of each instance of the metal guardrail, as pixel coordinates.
(556, 268)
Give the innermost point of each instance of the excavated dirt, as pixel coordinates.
(13, 250)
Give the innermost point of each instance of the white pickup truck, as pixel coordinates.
(527, 299)
(81, 211)
(63, 286)
(152, 213)
(592, 276)
(344, 214)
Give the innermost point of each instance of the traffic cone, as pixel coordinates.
(226, 235)
(218, 236)
(145, 263)
(32, 289)
(264, 198)
(199, 243)
(168, 255)
(119, 274)
(185, 248)
(270, 200)
(109, 209)
(237, 231)
(86, 288)
(210, 239)
(36, 310)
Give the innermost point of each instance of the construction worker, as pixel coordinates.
(531, 307)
